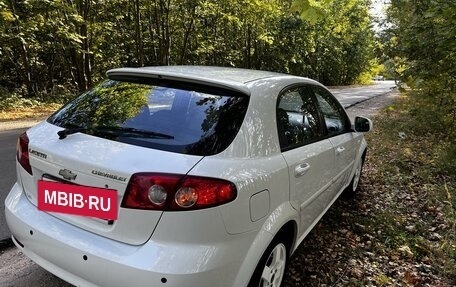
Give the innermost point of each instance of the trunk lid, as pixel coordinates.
(101, 163)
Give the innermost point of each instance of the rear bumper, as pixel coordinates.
(86, 259)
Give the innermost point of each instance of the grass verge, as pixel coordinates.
(26, 109)
(417, 192)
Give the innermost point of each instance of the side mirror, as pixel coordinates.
(363, 125)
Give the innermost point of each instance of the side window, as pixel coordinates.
(335, 117)
(297, 118)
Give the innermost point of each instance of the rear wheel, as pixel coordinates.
(271, 268)
(352, 188)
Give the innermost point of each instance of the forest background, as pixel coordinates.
(52, 50)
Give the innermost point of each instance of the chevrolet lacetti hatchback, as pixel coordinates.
(182, 176)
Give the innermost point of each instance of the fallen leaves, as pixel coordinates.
(406, 251)
(411, 278)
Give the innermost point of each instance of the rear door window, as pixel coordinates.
(336, 120)
(185, 119)
(298, 121)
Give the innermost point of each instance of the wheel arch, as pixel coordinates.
(282, 222)
(362, 153)
(288, 233)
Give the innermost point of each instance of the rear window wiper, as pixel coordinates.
(118, 131)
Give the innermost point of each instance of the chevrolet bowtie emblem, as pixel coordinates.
(67, 174)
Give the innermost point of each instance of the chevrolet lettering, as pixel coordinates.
(108, 175)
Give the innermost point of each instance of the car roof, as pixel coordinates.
(234, 79)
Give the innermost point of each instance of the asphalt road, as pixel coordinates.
(17, 270)
(8, 141)
(349, 97)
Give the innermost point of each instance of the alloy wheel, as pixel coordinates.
(274, 268)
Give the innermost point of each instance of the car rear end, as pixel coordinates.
(139, 138)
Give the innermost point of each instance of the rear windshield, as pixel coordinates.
(186, 120)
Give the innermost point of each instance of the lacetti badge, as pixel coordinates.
(67, 174)
(38, 154)
(77, 200)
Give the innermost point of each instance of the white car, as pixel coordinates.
(182, 176)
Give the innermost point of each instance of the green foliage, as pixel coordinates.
(423, 32)
(421, 46)
(46, 45)
(447, 159)
(14, 101)
(311, 10)
(365, 78)
(378, 69)
(343, 42)
(434, 112)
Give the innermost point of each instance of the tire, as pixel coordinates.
(353, 187)
(270, 271)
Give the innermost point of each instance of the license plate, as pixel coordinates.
(77, 200)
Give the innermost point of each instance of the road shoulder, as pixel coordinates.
(19, 124)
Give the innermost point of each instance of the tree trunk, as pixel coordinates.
(248, 47)
(86, 45)
(152, 34)
(166, 32)
(187, 35)
(138, 33)
(158, 28)
(26, 71)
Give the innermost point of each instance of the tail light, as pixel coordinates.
(172, 192)
(22, 152)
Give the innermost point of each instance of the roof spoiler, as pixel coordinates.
(156, 74)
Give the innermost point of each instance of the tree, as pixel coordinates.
(51, 46)
(424, 32)
(343, 40)
(421, 38)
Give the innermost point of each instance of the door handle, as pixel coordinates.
(340, 150)
(301, 169)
